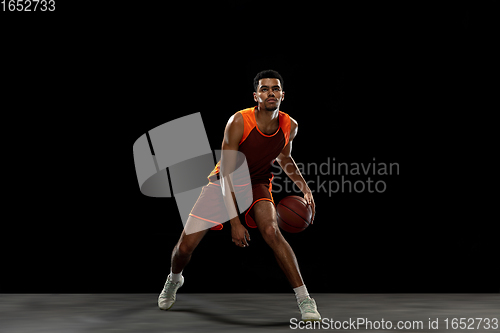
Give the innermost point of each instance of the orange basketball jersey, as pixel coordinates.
(260, 150)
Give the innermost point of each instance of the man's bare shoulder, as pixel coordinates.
(236, 119)
(294, 127)
(234, 129)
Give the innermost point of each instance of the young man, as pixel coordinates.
(263, 134)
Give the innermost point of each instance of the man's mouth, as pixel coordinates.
(271, 100)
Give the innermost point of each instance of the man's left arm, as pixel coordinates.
(287, 163)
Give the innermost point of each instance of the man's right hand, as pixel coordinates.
(239, 233)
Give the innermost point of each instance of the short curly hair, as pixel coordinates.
(267, 74)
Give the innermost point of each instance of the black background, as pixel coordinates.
(408, 83)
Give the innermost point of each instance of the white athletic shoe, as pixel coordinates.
(167, 296)
(308, 310)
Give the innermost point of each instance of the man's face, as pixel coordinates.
(269, 94)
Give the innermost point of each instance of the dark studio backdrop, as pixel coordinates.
(395, 83)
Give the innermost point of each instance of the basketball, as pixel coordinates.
(294, 214)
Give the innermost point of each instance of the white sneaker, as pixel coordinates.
(167, 296)
(308, 310)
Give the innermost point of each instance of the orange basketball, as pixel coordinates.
(294, 214)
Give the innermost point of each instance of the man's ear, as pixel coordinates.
(282, 96)
(255, 97)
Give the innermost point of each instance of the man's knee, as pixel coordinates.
(184, 248)
(271, 232)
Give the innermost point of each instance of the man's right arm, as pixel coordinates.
(230, 145)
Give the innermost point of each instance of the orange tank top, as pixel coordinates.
(260, 150)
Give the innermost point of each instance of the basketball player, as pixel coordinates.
(263, 134)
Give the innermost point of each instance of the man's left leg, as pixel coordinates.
(265, 218)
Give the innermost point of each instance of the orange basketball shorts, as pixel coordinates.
(210, 204)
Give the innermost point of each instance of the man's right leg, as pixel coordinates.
(181, 255)
(185, 246)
